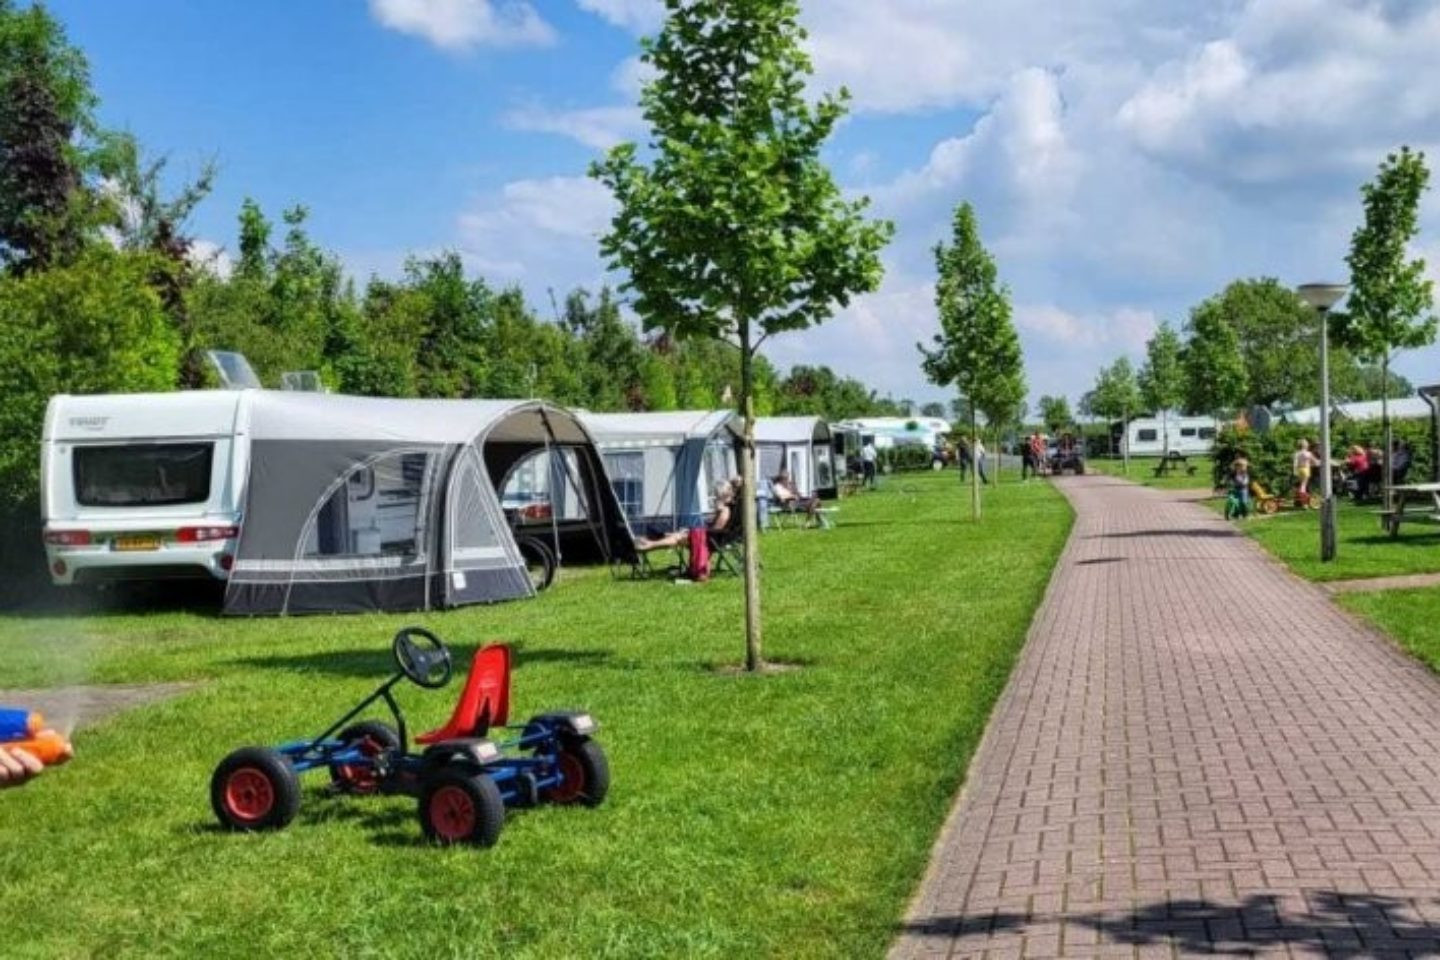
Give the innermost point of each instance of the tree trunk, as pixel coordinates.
(974, 465)
(1125, 426)
(1389, 441)
(753, 658)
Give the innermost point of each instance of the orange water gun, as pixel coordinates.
(26, 730)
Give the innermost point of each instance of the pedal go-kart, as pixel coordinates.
(464, 780)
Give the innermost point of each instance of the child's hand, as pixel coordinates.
(17, 766)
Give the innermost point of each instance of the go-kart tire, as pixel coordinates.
(357, 780)
(587, 774)
(461, 807)
(255, 788)
(1270, 507)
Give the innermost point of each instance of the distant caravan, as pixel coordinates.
(1164, 436)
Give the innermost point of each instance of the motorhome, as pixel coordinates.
(887, 432)
(1170, 434)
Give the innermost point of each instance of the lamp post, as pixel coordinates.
(1321, 297)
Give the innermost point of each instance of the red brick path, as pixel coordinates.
(1197, 753)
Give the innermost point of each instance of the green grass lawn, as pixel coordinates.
(1412, 617)
(1142, 470)
(1362, 548)
(785, 816)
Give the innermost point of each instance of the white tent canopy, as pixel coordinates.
(663, 467)
(801, 445)
(1401, 408)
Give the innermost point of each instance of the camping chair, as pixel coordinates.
(727, 546)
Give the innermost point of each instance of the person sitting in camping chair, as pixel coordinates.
(788, 500)
(724, 504)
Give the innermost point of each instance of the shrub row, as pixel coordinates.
(1271, 453)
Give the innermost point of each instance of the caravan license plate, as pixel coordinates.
(147, 541)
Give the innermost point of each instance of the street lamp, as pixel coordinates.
(1321, 297)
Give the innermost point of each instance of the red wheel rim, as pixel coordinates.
(572, 779)
(358, 777)
(452, 814)
(249, 794)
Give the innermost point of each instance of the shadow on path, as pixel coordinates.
(1338, 925)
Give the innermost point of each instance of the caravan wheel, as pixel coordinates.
(539, 562)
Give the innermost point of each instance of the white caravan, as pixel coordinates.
(1190, 436)
(143, 485)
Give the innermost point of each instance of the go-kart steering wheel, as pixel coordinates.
(422, 657)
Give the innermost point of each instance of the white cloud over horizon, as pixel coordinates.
(1130, 157)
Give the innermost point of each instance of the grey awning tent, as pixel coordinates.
(801, 445)
(358, 504)
(663, 467)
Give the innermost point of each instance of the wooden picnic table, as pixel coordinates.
(1173, 461)
(1424, 497)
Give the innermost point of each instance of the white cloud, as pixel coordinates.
(599, 128)
(211, 256)
(640, 16)
(1127, 157)
(465, 24)
(543, 231)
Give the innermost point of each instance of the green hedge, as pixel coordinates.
(1270, 454)
(899, 459)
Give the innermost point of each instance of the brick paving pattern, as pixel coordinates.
(1198, 753)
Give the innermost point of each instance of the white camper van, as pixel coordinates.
(143, 485)
(1147, 436)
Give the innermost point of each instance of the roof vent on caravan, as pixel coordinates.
(301, 381)
(233, 370)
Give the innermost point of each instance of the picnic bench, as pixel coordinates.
(1423, 497)
(1175, 461)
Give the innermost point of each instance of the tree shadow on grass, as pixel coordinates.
(1344, 925)
(379, 662)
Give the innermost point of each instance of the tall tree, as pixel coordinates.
(977, 349)
(1390, 297)
(1215, 375)
(933, 409)
(45, 102)
(732, 227)
(1162, 379)
(1055, 413)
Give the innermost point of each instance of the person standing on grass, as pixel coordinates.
(977, 452)
(962, 457)
(868, 456)
(1302, 466)
(1027, 458)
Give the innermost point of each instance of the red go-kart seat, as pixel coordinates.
(484, 702)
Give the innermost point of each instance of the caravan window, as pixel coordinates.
(1207, 433)
(378, 511)
(627, 479)
(164, 474)
(544, 486)
(1147, 436)
(1187, 432)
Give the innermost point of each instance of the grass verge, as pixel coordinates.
(1412, 617)
(1362, 549)
(784, 816)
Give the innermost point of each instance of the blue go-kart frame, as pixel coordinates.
(464, 780)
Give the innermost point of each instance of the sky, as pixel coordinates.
(1127, 158)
